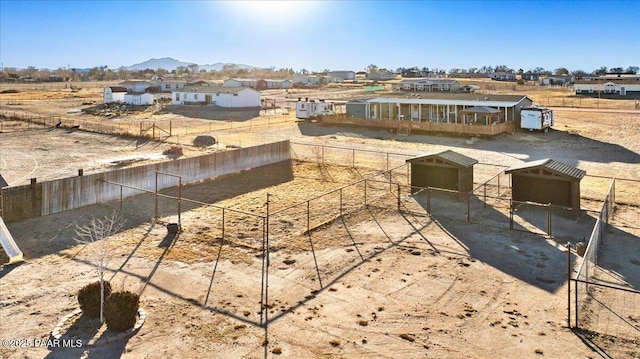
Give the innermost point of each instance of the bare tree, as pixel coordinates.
(97, 233)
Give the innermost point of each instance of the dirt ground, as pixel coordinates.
(376, 283)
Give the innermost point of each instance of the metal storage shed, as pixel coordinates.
(447, 169)
(546, 181)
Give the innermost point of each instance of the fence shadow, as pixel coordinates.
(530, 257)
(619, 257)
(214, 112)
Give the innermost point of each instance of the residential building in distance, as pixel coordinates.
(609, 89)
(557, 80)
(503, 76)
(530, 76)
(216, 95)
(240, 83)
(341, 76)
(266, 84)
(424, 85)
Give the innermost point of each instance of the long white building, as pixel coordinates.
(216, 95)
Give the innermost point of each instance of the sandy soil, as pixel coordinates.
(376, 283)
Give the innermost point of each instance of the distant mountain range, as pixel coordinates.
(170, 64)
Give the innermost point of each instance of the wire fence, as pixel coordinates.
(602, 302)
(591, 102)
(165, 130)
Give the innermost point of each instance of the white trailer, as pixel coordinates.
(536, 118)
(306, 109)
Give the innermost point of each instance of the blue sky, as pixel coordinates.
(318, 35)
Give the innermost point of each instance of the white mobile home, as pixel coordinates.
(240, 83)
(216, 95)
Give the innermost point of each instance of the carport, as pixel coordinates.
(448, 170)
(546, 181)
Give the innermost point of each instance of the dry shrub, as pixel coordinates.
(89, 298)
(121, 311)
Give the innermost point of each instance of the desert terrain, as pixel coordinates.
(373, 283)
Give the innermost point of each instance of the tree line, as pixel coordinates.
(192, 71)
(104, 73)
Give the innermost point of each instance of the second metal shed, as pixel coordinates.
(546, 181)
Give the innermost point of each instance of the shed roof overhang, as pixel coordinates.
(454, 158)
(556, 167)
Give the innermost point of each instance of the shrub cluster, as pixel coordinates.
(89, 298)
(121, 311)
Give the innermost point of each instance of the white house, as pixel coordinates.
(307, 80)
(341, 76)
(222, 96)
(136, 85)
(139, 98)
(557, 80)
(503, 76)
(169, 85)
(273, 84)
(114, 94)
(239, 83)
(608, 89)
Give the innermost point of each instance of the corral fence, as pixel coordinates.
(166, 130)
(32, 122)
(600, 305)
(592, 102)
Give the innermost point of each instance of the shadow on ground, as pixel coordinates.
(33, 236)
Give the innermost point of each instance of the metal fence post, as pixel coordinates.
(549, 209)
(388, 166)
(484, 204)
(180, 203)
(398, 197)
(156, 196)
(308, 219)
(365, 192)
(353, 158)
(568, 246)
(510, 213)
(429, 200)
(468, 207)
(408, 178)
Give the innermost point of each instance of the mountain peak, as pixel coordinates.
(169, 64)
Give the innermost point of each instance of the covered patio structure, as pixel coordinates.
(490, 115)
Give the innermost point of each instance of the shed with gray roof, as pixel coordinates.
(447, 170)
(547, 181)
